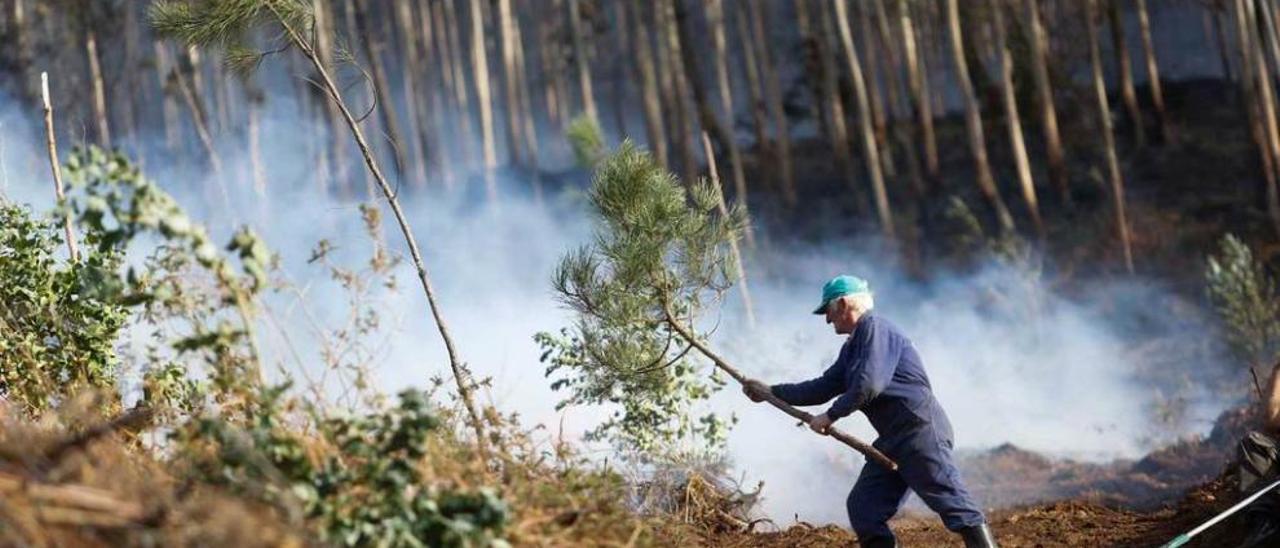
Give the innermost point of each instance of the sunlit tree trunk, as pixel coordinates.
(480, 71)
(773, 93)
(1124, 66)
(99, 88)
(618, 71)
(919, 87)
(1044, 94)
(1013, 121)
(1153, 72)
(415, 101)
(644, 72)
(582, 60)
(879, 119)
(829, 96)
(527, 123)
(324, 43)
(510, 81)
(870, 151)
(715, 18)
(1108, 138)
(973, 123)
(452, 36)
(1264, 92)
(553, 64)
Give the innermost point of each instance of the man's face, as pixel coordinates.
(841, 317)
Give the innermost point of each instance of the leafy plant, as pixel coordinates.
(360, 480)
(659, 258)
(1244, 294)
(59, 320)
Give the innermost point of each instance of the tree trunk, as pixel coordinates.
(1125, 68)
(870, 151)
(1108, 138)
(833, 111)
(680, 93)
(715, 18)
(1048, 113)
(169, 109)
(369, 40)
(644, 72)
(528, 124)
(55, 165)
(453, 31)
(415, 104)
(1265, 95)
(583, 62)
(973, 123)
(618, 72)
(1014, 121)
(919, 89)
(755, 93)
(323, 31)
(480, 70)
(552, 65)
(1153, 72)
(99, 89)
(879, 119)
(510, 81)
(773, 91)
(705, 112)
(1220, 37)
(461, 374)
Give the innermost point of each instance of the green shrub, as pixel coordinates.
(59, 320)
(1244, 294)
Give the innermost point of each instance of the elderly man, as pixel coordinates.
(880, 373)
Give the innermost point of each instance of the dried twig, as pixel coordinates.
(52, 142)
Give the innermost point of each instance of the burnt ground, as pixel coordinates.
(1044, 502)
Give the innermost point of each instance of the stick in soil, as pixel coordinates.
(52, 143)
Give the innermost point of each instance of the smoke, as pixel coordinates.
(1010, 359)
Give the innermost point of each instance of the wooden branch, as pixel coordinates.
(52, 143)
(858, 445)
(133, 419)
(461, 375)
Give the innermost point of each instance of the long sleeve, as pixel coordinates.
(872, 359)
(815, 391)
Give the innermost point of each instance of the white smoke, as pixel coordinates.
(1056, 377)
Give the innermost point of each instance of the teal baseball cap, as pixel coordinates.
(840, 286)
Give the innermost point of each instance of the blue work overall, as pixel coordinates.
(880, 373)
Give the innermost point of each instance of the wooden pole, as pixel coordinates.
(52, 144)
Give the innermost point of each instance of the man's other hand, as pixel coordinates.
(756, 390)
(821, 424)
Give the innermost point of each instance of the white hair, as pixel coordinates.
(860, 302)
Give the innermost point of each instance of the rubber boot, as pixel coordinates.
(878, 542)
(978, 536)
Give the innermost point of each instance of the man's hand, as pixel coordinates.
(821, 424)
(756, 390)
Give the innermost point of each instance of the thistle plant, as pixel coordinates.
(660, 259)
